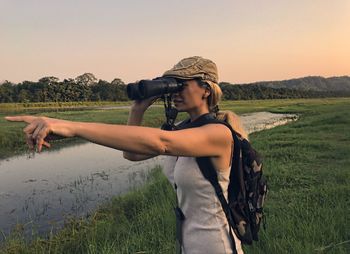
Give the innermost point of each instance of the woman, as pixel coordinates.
(205, 228)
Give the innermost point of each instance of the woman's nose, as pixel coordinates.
(177, 94)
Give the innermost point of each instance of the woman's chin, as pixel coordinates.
(179, 108)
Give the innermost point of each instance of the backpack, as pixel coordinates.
(247, 189)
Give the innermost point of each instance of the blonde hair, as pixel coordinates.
(228, 116)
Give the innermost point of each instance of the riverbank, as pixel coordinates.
(306, 162)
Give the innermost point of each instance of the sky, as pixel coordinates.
(249, 40)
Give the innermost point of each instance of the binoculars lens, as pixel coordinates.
(148, 88)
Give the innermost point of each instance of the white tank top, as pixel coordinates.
(205, 229)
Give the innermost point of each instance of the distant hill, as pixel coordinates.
(311, 83)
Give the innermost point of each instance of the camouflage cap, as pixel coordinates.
(194, 67)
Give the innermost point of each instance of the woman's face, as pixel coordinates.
(190, 97)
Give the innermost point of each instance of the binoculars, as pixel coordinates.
(148, 88)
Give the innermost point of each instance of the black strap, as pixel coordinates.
(180, 217)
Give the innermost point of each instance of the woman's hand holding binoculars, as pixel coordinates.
(143, 105)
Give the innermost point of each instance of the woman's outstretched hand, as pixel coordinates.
(39, 128)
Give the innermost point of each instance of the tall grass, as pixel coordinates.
(308, 166)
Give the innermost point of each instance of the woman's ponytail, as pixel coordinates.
(232, 119)
(228, 116)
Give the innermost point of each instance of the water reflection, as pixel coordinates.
(45, 188)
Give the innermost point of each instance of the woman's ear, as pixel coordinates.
(206, 94)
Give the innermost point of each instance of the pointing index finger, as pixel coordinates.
(27, 119)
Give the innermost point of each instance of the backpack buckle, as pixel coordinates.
(251, 207)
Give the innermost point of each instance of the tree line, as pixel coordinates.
(259, 92)
(87, 88)
(49, 89)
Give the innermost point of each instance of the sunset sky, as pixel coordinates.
(251, 40)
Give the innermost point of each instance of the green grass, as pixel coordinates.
(12, 139)
(308, 166)
(308, 207)
(57, 105)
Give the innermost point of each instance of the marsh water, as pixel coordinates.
(41, 190)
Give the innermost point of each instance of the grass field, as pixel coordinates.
(12, 139)
(308, 208)
(27, 106)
